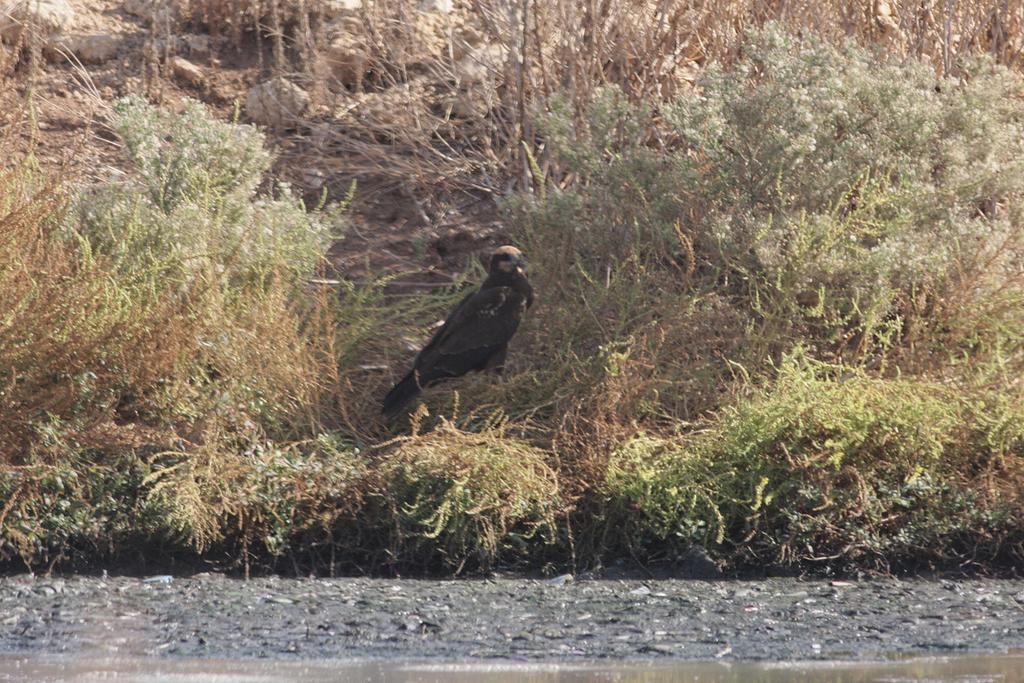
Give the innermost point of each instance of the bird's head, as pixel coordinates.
(508, 260)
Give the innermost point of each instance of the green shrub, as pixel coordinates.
(191, 205)
(259, 496)
(79, 509)
(825, 465)
(452, 498)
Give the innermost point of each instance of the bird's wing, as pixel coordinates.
(487, 318)
(451, 320)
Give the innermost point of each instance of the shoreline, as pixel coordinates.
(210, 616)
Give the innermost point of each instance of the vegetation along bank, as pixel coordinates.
(779, 317)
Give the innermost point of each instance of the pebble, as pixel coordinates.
(188, 72)
(276, 102)
(560, 580)
(160, 578)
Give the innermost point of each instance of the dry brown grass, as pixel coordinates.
(424, 103)
(71, 344)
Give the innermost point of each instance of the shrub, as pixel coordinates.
(83, 505)
(71, 343)
(810, 195)
(255, 498)
(453, 497)
(826, 464)
(188, 225)
(192, 203)
(166, 313)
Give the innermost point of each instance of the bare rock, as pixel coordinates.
(425, 41)
(390, 110)
(196, 43)
(332, 9)
(138, 8)
(430, 41)
(481, 64)
(697, 564)
(478, 75)
(276, 102)
(466, 36)
(884, 18)
(88, 48)
(689, 72)
(45, 17)
(442, 6)
(159, 11)
(346, 53)
(187, 71)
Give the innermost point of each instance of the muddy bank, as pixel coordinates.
(208, 616)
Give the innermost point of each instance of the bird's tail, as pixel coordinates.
(401, 394)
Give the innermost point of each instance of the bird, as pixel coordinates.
(475, 334)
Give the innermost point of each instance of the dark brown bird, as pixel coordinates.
(476, 334)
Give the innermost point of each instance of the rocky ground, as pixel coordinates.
(210, 615)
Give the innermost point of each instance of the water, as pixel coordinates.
(966, 669)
